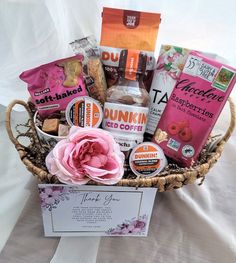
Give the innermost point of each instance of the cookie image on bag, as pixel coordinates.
(72, 70)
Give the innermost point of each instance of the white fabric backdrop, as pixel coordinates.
(189, 225)
(33, 32)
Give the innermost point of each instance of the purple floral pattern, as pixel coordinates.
(51, 196)
(130, 227)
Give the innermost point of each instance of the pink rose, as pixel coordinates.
(87, 153)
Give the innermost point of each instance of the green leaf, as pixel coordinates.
(178, 49)
(167, 66)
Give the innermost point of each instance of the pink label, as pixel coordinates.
(193, 108)
(52, 86)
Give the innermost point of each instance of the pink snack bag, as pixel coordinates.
(193, 108)
(52, 86)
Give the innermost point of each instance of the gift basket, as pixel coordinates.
(176, 106)
(171, 178)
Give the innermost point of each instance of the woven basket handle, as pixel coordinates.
(9, 109)
(232, 122)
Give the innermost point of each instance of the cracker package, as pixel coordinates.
(52, 86)
(86, 46)
(193, 107)
(127, 29)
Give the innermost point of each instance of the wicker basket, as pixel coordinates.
(168, 181)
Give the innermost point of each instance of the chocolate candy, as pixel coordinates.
(51, 126)
(63, 130)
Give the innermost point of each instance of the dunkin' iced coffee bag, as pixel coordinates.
(127, 29)
(193, 108)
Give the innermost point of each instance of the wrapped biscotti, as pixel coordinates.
(95, 70)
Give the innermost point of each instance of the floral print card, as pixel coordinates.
(70, 210)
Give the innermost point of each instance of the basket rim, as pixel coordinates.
(163, 183)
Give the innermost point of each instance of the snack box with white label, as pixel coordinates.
(193, 108)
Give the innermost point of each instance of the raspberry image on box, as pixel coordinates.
(185, 134)
(182, 129)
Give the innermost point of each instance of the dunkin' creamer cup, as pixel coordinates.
(84, 112)
(193, 108)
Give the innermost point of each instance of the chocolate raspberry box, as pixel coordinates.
(193, 108)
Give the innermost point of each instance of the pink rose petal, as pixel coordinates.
(97, 172)
(111, 164)
(87, 153)
(67, 180)
(77, 134)
(97, 161)
(59, 149)
(51, 164)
